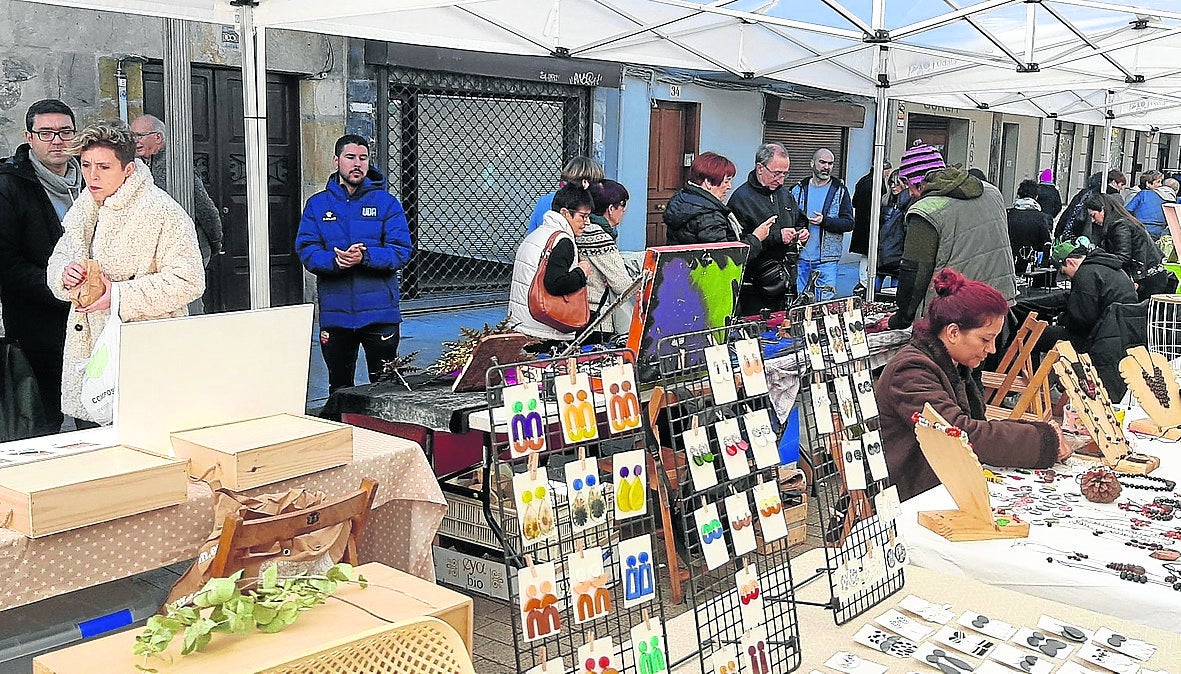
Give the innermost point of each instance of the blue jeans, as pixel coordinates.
(828, 277)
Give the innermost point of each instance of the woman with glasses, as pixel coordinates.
(143, 241)
(608, 277)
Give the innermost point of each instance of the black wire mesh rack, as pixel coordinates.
(593, 549)
(740, 587)
(840, 443)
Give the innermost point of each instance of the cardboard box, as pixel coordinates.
(46, 497)
(247, 454)
(392, 596)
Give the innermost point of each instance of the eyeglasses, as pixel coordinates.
(581, 215)
(141, 136)
(47, 135)
(777, 174)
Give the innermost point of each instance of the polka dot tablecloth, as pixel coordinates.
(407, 511)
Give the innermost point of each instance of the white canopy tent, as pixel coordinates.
(1083, 61)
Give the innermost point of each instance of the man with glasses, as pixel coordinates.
(826, 205)
(771, 277)
(148, 132)
(38, 184)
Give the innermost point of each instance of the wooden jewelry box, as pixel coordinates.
(52, 495)
(251, 453)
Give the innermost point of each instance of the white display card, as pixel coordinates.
(584, 487)
(700, 455)
(847, 579)
(1072, 667)
(649, 652)
(590, 596)
(846, 401)
(723, 661)
(866, 398)
(882, 641)
(750, 597)
(904, 625)
(713, 536)
(945, 660)
(764, 443)
(855, 329)
(771, 520)
(849, 663)
(887, 506)
(1072, 633)
(525, 415)
(997, 629)
(931, 612)
(630, 472)
(742, 523)
(576, 408)
(754, 653)
(853, 459)
(1022, 661)
(721, 374)
(822, 408)
(871, 444)
(734, 448)
(837, 344)
(1109, 660)
(555, 666)
(540, 617)
(873, 567)
(623, 402)
(535, 506)
(964, 641)
(815, 351)
(750, 359)
(602, 653)
(636, 568)
(1141, 650)
(1046, 644)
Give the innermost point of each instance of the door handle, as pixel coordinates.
(661, 207)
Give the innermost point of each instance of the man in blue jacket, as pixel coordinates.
(353, 236)
(825, 201)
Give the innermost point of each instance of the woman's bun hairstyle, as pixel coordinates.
(948, 282)
(960, 300)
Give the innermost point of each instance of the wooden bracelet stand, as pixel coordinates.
(1165, 417)
(1088, 396)
(960, 471)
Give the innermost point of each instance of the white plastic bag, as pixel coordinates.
(102, 369)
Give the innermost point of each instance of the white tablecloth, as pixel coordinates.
(1023, 567)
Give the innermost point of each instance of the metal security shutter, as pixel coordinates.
(801, 140)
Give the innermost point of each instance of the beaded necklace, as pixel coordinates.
(1127, 480)
(1155, 381)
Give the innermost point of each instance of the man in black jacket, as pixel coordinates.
(38, 184)
(1097, 281)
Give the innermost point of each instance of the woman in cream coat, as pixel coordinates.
(144, 241)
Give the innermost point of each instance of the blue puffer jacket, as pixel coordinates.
(367, 293)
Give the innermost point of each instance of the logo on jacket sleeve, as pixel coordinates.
(329, 216)
(369, 211)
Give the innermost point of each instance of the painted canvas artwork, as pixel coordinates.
(691, 288)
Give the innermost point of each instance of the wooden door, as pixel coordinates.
(219, 155)
(672, 145)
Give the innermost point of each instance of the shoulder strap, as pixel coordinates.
(553, 241)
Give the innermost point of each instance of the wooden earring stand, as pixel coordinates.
(1163, 420)
(1097, 415)
(960, 471)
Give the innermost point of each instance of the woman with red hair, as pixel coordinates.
(697, 214)
(958, 332)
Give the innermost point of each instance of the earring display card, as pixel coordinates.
(943, 659)
(713, 536)
(931, 612)
(763, 441)
(623, 403)
(754, 378)
(590, 597)
(847, 579)
(723, 661)
(1052, 646)
(701, 457)
(588, 507)
(535, 504)
(964, 641)
(526, 419)
(873, 567)
(997, 629)
(649, 652)
(875, 456)
(555, 666)
(539, 598)
(754, 652)
(1072, 633)
(1022, 661)
(836, 338)
(822, 408)
(887, 506)
(903, 625)
(631, 485)
(741, 519)
(846, 402)
(721, 375)
(849, 663)
(853, 457)
(750, 597)
(866, 397)
(1072, 667)
(771, 520)
(576, 409)
(636, 570)
(884, 642)
(855, 329)
(598, 656)
(1141, 650)
(1109, 660)
(815, 352)
(734, 448)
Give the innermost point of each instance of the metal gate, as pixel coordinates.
(469, 156)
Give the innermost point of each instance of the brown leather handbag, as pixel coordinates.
(564, 313)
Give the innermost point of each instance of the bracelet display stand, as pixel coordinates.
(948, 451)
(569, 478)
(723, 479)
(1157, 391)
(841, 445)
(1088, 396)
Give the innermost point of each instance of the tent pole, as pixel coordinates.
(178, 112)
(1108, 118)
(881, 118)
(254, 109)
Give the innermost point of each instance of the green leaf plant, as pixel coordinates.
(268, 603)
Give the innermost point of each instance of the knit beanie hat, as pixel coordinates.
(918, 161)
(1047, 176)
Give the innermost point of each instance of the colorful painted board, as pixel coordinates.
(691, 288)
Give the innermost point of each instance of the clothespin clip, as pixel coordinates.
(590, 638)
(579, 548)
(581, 453)
(695, 423)
(647, 618)
(572, 369)
(681, 358)
(529, 565)
(533, 464)
(544, 660)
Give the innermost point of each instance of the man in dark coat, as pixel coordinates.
(1097, 280)
(862, 205)
(1048, 196)
(38, 184)
(1029, 226)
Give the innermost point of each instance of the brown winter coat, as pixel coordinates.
(923, 372)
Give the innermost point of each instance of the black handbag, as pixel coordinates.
(769, 275)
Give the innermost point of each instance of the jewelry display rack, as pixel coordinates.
(841, 445)
(1157, 391)
(1088, 396)
(724, 439)
(582, 576)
